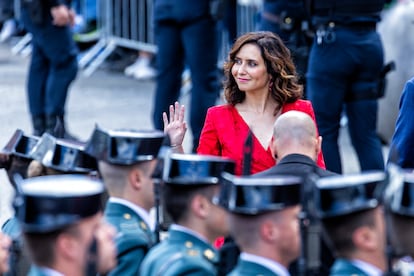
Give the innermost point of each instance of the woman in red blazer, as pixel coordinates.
(260, 84)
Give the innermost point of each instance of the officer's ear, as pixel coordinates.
(135, 178)
(200, 206)
(67, 245)
(273, 148)
(318, 146)
(364, 238)
(269, 231)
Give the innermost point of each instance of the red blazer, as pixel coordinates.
(225, 132)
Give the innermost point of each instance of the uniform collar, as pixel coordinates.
(369, 269)
(272, 265)
(176, 227)
(47, 271)
(142, 213)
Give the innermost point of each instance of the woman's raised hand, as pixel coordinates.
(174, 125)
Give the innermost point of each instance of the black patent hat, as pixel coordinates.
(20, 144)
(401, 195)
(195, 169)
(63, 155)
(346, 194)
(256, 195)
(124, 147)
(48, 203)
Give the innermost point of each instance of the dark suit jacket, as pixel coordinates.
(296, 164)
(301, 165)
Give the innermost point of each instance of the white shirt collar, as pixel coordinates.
(140, 211)
(49, 272)
(274, 266)
(369, 269)
(187, 230)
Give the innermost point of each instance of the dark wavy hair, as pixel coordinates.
(279, 64)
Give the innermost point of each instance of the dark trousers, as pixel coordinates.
(193, 44)
(53, 66)
(337, 70)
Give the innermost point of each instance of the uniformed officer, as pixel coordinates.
(352, 218)
(61, 220)
(127, 160)
(15, 158)
(33, 156)
(264, 222)
(191, 186)
(354, 74)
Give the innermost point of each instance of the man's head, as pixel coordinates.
(60, 218)
(295, 132)
(127, 160)
(264, 216)
(352, 215)
(190, 192)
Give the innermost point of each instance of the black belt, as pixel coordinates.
(357, 25)
(348, 25)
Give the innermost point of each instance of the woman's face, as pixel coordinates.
(249, 70)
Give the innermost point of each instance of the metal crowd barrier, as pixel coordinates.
(126, 23)
(23, 47)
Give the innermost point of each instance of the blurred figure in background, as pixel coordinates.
(185, 34)
(53, 64)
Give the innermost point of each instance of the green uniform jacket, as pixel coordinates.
(249, 268)
(133, 240)
(180, 254)
(342, 267)
(35, 271)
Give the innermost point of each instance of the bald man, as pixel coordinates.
(295, 147)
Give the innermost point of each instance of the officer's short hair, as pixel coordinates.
(339, 230)
(401, 229)
(188, 175)
(47, 242)
(178, 199)
(245, 229)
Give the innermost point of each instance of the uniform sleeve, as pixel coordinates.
(131, 252)
(402, 144)
(209, 139)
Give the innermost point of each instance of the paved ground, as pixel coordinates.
(108, 99)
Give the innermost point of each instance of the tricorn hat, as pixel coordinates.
(256, 195)
(49, 203)
(195, 169)
(20, 144)
(401, 195)
(124, 147)
(346, 194)
(63, 155)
